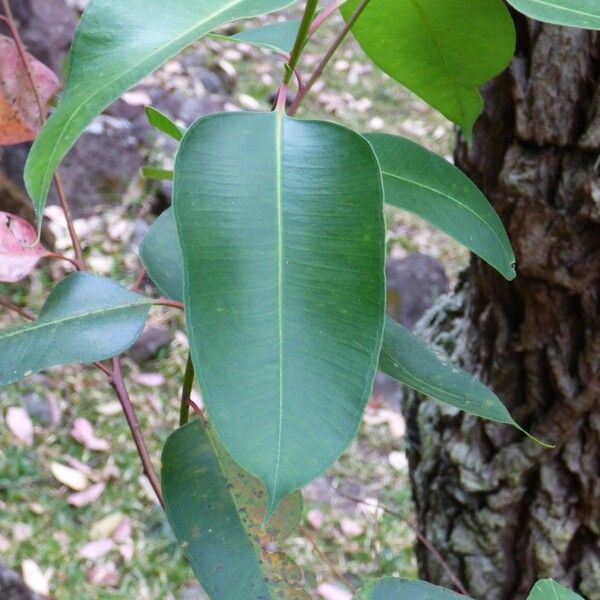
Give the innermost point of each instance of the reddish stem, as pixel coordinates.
(118, 384)
(57, 256)
(137, 284)
(323, 16)
(167, 302)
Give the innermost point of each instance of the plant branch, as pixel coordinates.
(307, 17)
(167, 302)
(119, 386)
(7, 303)
(323, 16)
(10, 22)
(186, 392)
(327, 57)
(422, 539)
(58, 256)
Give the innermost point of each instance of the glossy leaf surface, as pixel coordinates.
(281, 227)
(428, 186)
(85, 319)
(391, 588)
(408, 359)
(439, 50)
(116, 45)
(160, 253)
(216, 511)
(574, 13)
(546, 589)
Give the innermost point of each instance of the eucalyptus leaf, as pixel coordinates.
(281, 226)
(392, 588)
(216, 511)
(574, 13)
(408, 359)
(546, 589)
(442, 51)
(157, 174)
(428, 186)
(161, 255)
(164, 124)
(85, 319)
(116, 45)
(278, 37)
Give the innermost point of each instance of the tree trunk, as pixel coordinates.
(501, 510)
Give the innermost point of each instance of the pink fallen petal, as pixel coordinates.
(20, 425)
(103, 575)
(20, 118)
(88, 496)
(149, 379)
(83, 432)
(82, 468)
(329, 591)
(97, 549)
(19, 250)
(127, 550)
(316, 519)
(123, 532)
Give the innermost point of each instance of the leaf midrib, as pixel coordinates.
(451, 198)
(41, 323)
(50, 160)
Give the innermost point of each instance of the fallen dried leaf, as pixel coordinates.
(19, 249)
(104, 528)
(329, 591)
(34, 577)
(398, 461)
(87, 496)
(20, 425)
(20, 118)
(70, 477)
(83, 432)
(103, 575)
(97, 549)
(315, 518)
(149, 379)
(351, 528)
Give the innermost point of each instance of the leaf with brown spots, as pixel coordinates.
(217, 510)
(19, 249)
(20, 118)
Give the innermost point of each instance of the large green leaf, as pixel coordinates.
(391, 588)
(546, 589)
(216, 511)
(408, 359)
(160, 253)
(281, 226)
(85, 319)
(116, 45)
(428, 186)
(441, 50)
(575, 13)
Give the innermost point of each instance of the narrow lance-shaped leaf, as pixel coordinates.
(216, 511)
(391, 588)
(116, 45)
(164, 124)
(574, 13)
(408, 359)
(428, 186)
(160, 253)
(85, 319)
(281, 227)
(278, 37)
(546, 589)
(157, 173)
(439, 50)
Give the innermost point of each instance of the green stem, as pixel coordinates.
(188, 382)
(307, 17)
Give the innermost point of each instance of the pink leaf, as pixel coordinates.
(97, 549)
(87, 496)
(103, 575)
(83, 432)
(19, 249)
(20, 118)
(20, 425)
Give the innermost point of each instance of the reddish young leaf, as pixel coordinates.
(20, 118)
(19, 250)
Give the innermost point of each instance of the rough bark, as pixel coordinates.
(502, 511)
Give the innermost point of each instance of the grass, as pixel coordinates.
(357, 540)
